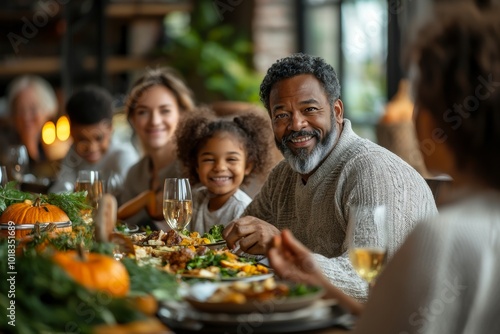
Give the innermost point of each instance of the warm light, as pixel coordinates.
(49, 133)
(62, 128)
(56, 139)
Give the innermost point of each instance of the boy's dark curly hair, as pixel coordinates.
(456, 65)
(196, 129)
(90, 105)
(297, 64)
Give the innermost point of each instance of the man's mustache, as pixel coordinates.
(302, 133)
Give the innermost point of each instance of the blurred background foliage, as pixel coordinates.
(214, 58)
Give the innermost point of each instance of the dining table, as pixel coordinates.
(318, 316)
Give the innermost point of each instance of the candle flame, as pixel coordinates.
(49, 133)
(62, 128)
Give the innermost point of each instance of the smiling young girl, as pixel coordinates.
(221, 154)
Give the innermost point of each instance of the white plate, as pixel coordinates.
(252, 278)
(216, 245)
(216, 277)
(321, 314)
(317, 308)
(199, 293)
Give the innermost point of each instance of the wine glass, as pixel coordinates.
(177, 203)
(368, 254)
(114, 183)
(17, 161)
(90, 181)
(4, 179)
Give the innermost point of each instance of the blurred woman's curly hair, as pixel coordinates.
(252, 131)
(454, 65)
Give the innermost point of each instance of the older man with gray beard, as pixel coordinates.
(327, 170)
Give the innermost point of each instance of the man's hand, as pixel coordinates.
(254, 235)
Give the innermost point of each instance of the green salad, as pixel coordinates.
(214, 234)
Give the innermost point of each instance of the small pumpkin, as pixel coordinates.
(40, 240)
(28, 212)
(95, 271)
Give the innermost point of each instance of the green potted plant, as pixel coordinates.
(213, 57)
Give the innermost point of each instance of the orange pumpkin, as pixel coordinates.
(95, 271)
(32, 213)
(35, 237)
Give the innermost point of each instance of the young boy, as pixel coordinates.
(90, 112)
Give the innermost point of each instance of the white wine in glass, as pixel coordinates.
(177, 203)
(4, 179)
(89, 181)
(369, 255)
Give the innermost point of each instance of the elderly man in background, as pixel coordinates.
(327, 170)
(31, 102)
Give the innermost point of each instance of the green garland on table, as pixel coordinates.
(72, 203)
(10, 195)
(48, 300)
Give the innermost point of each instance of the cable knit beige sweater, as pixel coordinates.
(357, 172)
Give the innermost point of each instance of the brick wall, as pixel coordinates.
(274, 31)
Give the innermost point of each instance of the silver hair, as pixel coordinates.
(44, 90)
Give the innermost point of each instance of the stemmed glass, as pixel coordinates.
(114, 183)
(177, 203)
(4, 179)
(368, 255)
(17, 161)
(90, 181)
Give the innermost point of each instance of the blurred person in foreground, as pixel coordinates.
(444, 278)
(90, 112)
(31, 102)
(156, 103)
(327, 170)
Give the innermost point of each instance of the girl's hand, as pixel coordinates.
(135, 205)
(155, 205)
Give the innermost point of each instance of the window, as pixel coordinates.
(352, 36)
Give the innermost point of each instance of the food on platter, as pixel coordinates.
(199, 262)
(186, 238)
(124, 228)
(221, 263)
(241, 292)
(264, 296)
(215, 233)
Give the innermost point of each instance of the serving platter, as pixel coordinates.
(285, 304)
(252, 278)
(266, 296)
(183, 318)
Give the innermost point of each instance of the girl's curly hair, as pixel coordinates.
(253, 131)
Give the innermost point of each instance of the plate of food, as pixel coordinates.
(124, 228)
(266, 296)
(218, 265)
(212, 239)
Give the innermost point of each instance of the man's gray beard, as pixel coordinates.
(304, 163)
